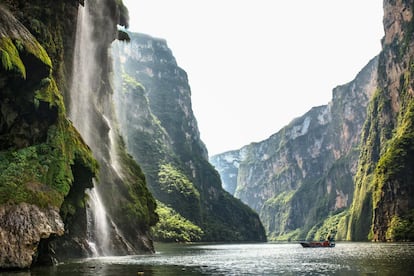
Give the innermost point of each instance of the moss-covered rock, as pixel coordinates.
(42, 156)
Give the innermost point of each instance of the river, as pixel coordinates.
(246, 259)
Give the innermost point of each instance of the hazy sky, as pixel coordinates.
(254, 65)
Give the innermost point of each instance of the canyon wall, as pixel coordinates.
(161, 132)
(303, 174)
(361, 188)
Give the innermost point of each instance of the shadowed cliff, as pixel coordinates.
(161, 133)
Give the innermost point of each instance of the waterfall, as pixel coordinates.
(113, 198)
(86, 110)
(98, 234)
(83, 77)
(113, 157)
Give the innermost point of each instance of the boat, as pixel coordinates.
(318, 244)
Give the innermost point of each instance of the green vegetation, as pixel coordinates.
(275, 212)
(42, 156)
(385, 170)
(173, 181)
(179, 191)
(172, 227)
(293, 235)
(131, 85)
(162, 137)
(401, 228)
(361, 211)
(42, 174)
(140, 206)
(395, 167)
(39, 171)
(330, 226)
(10, 57)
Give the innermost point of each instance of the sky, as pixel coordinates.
(255, 65)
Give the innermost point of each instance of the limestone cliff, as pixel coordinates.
(383, 194)
(161, 133)
(303, 174)
(383, 207)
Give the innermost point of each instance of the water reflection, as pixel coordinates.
(247, 259)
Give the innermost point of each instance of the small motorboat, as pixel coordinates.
(318, 244)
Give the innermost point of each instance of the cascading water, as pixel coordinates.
(113, 201)
(97, 225)
(83, 77)
(86, 110)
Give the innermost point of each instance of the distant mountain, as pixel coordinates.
(153, 100)
(303, 174)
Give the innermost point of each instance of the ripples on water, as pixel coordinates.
(247, 259)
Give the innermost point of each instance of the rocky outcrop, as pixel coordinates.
(303, 174)
(22, 227)
(161, 132)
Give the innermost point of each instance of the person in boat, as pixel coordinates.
(327, 241)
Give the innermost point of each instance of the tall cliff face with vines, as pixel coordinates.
(383, 207)
(45, 165)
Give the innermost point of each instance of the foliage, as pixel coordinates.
(275, 212)
(141, 205)
(385, 168)
(179, 191)
(174, 181)
(401, 228)
(10, 57)
(173, 227)
(229, 219)
(42, 174)
(361, 210)
(330, 226)
(21, 176)
(162, 136)
(292, 235)
(130, 84)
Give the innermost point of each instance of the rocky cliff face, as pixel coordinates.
(304, 173)
(382, 201)
(45, 165)
(41, 154)
(384, 194)
(23, 226)
(161, 133)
